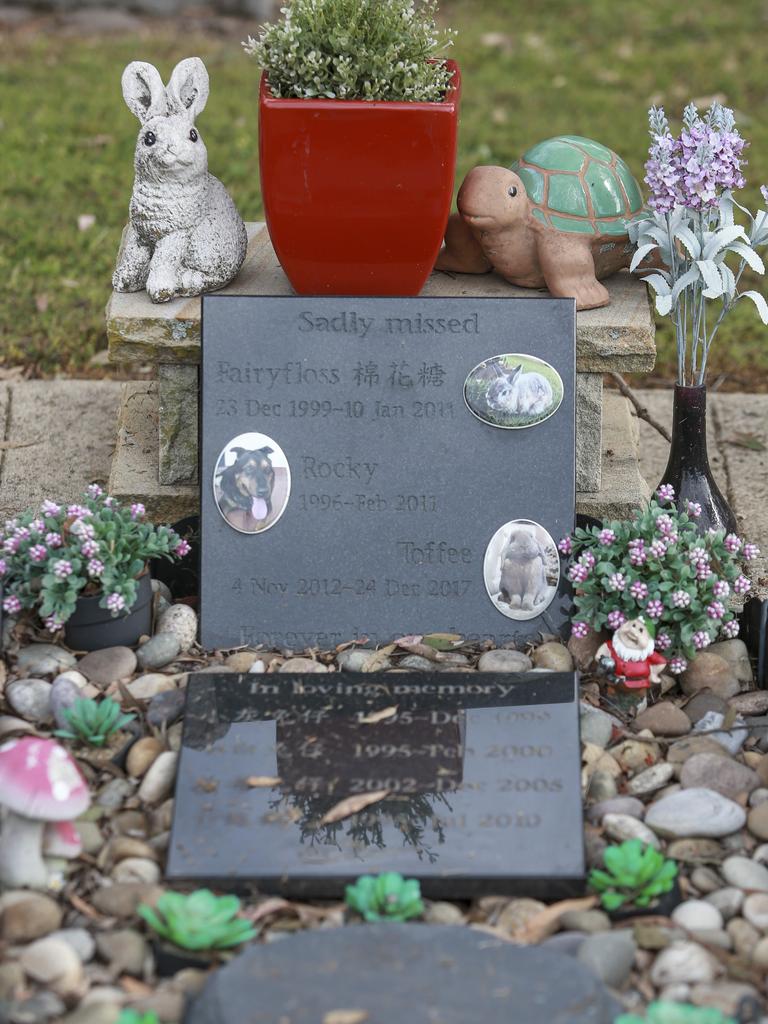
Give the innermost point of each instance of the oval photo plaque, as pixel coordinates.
(251, 482)
(513, 391)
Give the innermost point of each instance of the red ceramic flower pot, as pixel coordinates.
(357, 193)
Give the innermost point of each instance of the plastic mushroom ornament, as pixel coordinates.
(39, 784)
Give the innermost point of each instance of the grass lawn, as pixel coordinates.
(530, 71)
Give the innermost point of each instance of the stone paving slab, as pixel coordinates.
(58, 436)
(619, 337)
(741, 473)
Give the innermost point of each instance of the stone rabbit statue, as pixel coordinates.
(185, 235)
(523, 582)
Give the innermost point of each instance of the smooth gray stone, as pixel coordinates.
(64, 693)
(411, 972)
(44, 659)
(158, 652)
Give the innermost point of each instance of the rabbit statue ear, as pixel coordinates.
(143, 90)
(188, 87)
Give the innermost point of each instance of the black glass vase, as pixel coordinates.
(688, 468)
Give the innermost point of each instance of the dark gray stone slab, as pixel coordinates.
(422, 974)
(480, 773)
(386, 505)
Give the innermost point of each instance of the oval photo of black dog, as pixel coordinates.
(252, 482)
(521, 569)
(513, 391)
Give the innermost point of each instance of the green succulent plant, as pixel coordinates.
(634, 873)
(134, 1017)
(676, 1013)
(385, 897)
(200, 920)
(93, 721)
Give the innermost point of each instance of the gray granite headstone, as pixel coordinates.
(476, 774)
(415, 973)
(377, 467)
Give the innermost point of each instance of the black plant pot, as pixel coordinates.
(170, 959)
(663, 906)
(92, 628)
(688, 468)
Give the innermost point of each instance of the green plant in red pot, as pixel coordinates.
(357, 143)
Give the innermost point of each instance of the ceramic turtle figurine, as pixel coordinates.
(556, 219)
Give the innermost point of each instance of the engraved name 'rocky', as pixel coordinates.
(342, 469)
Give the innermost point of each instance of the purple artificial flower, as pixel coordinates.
(606, 537)
(617, 581)
(731, 628)
(78, 511)
(184, 547)
(94, 491)
(37, 526)
(694, 509)
(742, 585)
(11, 545)
(663, 642)
(95, 567)
(115, 602)
(677, 665)
(109, 502)
(50, 508)
(721, 589)
(82, 529)
(616, 619)
(654, 609)
(716, 610)
(38, 553)
(580, 629)
(703, 571)
(639, 590)
(565, 546)
(588, 559)
(708, 155)
(137, 510)
(732, 543)
(52, 624)
(698, 555)
(636, 543)
(638, 557)
(578, 573)
(751, 551)
(666, 492)
(3, 567)
(701, 639)
(89, 548)
(664, 523)
(53, 539)
(62, 569)
(658, 549)
(661, 170)
(681, 599)
(22, 533)
(12, 604)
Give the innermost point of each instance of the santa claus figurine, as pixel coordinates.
(630, 660)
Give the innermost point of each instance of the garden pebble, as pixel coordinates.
(635, 755)
(686, 748)
(745, 873)
(760, 953)
(64, 692)
(121, 899)
(124, 950)
(166, 708)
(80, 939)
(732, 739)
(502, 660)
(744, 935)
(55, 963)
(158, 651)
(30, 698)
(624, 826)
(28, 917)
(90, 836)
(94, 1013)
(695, 915)
(114, 793)
(709, 672)
(602, 786)
(755, 910)
(755, 702)
(758, 796)
(10, 723)
(142, 755)
(757, 821)
(628, 805)
(651, 779)
(553, 656)
(695, 851)
(355, 660)
(725, 776)
(147, 686)
(695, 812)
(441, 912)
(728, 901)
(12, 980)
(596, 726)
(701, 703)
(609, 955)
(157, 784)
(588, 921)
(108, 665)
(735, 653)
(302, 665)
(664, 719)
(38, 1008)
(705, 879)
(683, 962)
(44, 659)
(180, 621)
(241, 661)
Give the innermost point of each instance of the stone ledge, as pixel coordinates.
(622, 489)
(619, 337)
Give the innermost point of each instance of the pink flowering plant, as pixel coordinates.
(51, 556)
(657, 565)
(690, 230)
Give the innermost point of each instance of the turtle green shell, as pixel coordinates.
(575, 184)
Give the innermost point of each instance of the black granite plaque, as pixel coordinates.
(418, 974)
(476, 777)
(377, 467)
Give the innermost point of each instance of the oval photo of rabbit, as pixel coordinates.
(251, 482)
(521, 569)
(513, 391)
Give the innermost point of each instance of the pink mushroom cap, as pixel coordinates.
(39, 780)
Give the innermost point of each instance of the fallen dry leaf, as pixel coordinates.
(351, 805)
(537, 928)
(263, 780)
(345, 1016)
(378, 716)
